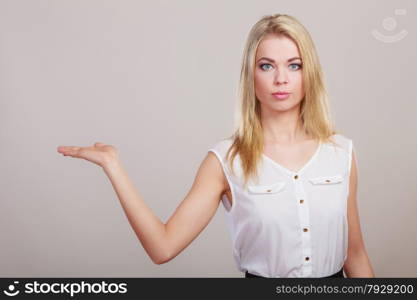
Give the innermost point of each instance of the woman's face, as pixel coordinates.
(278, 68)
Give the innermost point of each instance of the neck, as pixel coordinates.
(283, 127)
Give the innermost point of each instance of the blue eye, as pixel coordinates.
(263, 65)
(298, 65)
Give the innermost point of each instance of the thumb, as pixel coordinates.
(99, 144)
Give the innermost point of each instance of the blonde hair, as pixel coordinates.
(314, 108)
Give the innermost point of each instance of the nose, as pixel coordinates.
(281, 77)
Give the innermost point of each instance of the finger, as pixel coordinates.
(69, 150)
(98, 144)
(61, 149)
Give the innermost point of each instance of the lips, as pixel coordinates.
(281, 93)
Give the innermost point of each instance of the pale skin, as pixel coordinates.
(164, 241)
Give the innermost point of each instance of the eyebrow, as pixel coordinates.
(271, 60)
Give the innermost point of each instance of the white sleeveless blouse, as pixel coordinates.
(290, 224)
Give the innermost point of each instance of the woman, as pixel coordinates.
(287, 181)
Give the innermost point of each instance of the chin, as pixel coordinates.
(281, 107)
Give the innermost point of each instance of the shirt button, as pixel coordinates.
(296, 176)
(301, 201)
(307, 258)
(305, 229)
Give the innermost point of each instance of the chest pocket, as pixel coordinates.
(327, 180)
(267, 189)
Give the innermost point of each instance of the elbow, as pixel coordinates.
(163, 253)
(160, 261)
(157, 262)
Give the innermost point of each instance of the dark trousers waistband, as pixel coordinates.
(338, 274)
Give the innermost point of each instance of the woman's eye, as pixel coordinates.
(264, 65)
(298, 66)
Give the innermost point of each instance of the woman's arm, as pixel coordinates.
(357, 263)
(162, 242)
(147, 226)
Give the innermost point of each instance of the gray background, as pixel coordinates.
(158, 79)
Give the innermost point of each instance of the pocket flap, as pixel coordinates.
(326, 179)
(266, 189)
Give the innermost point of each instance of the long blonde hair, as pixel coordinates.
(314, 108)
